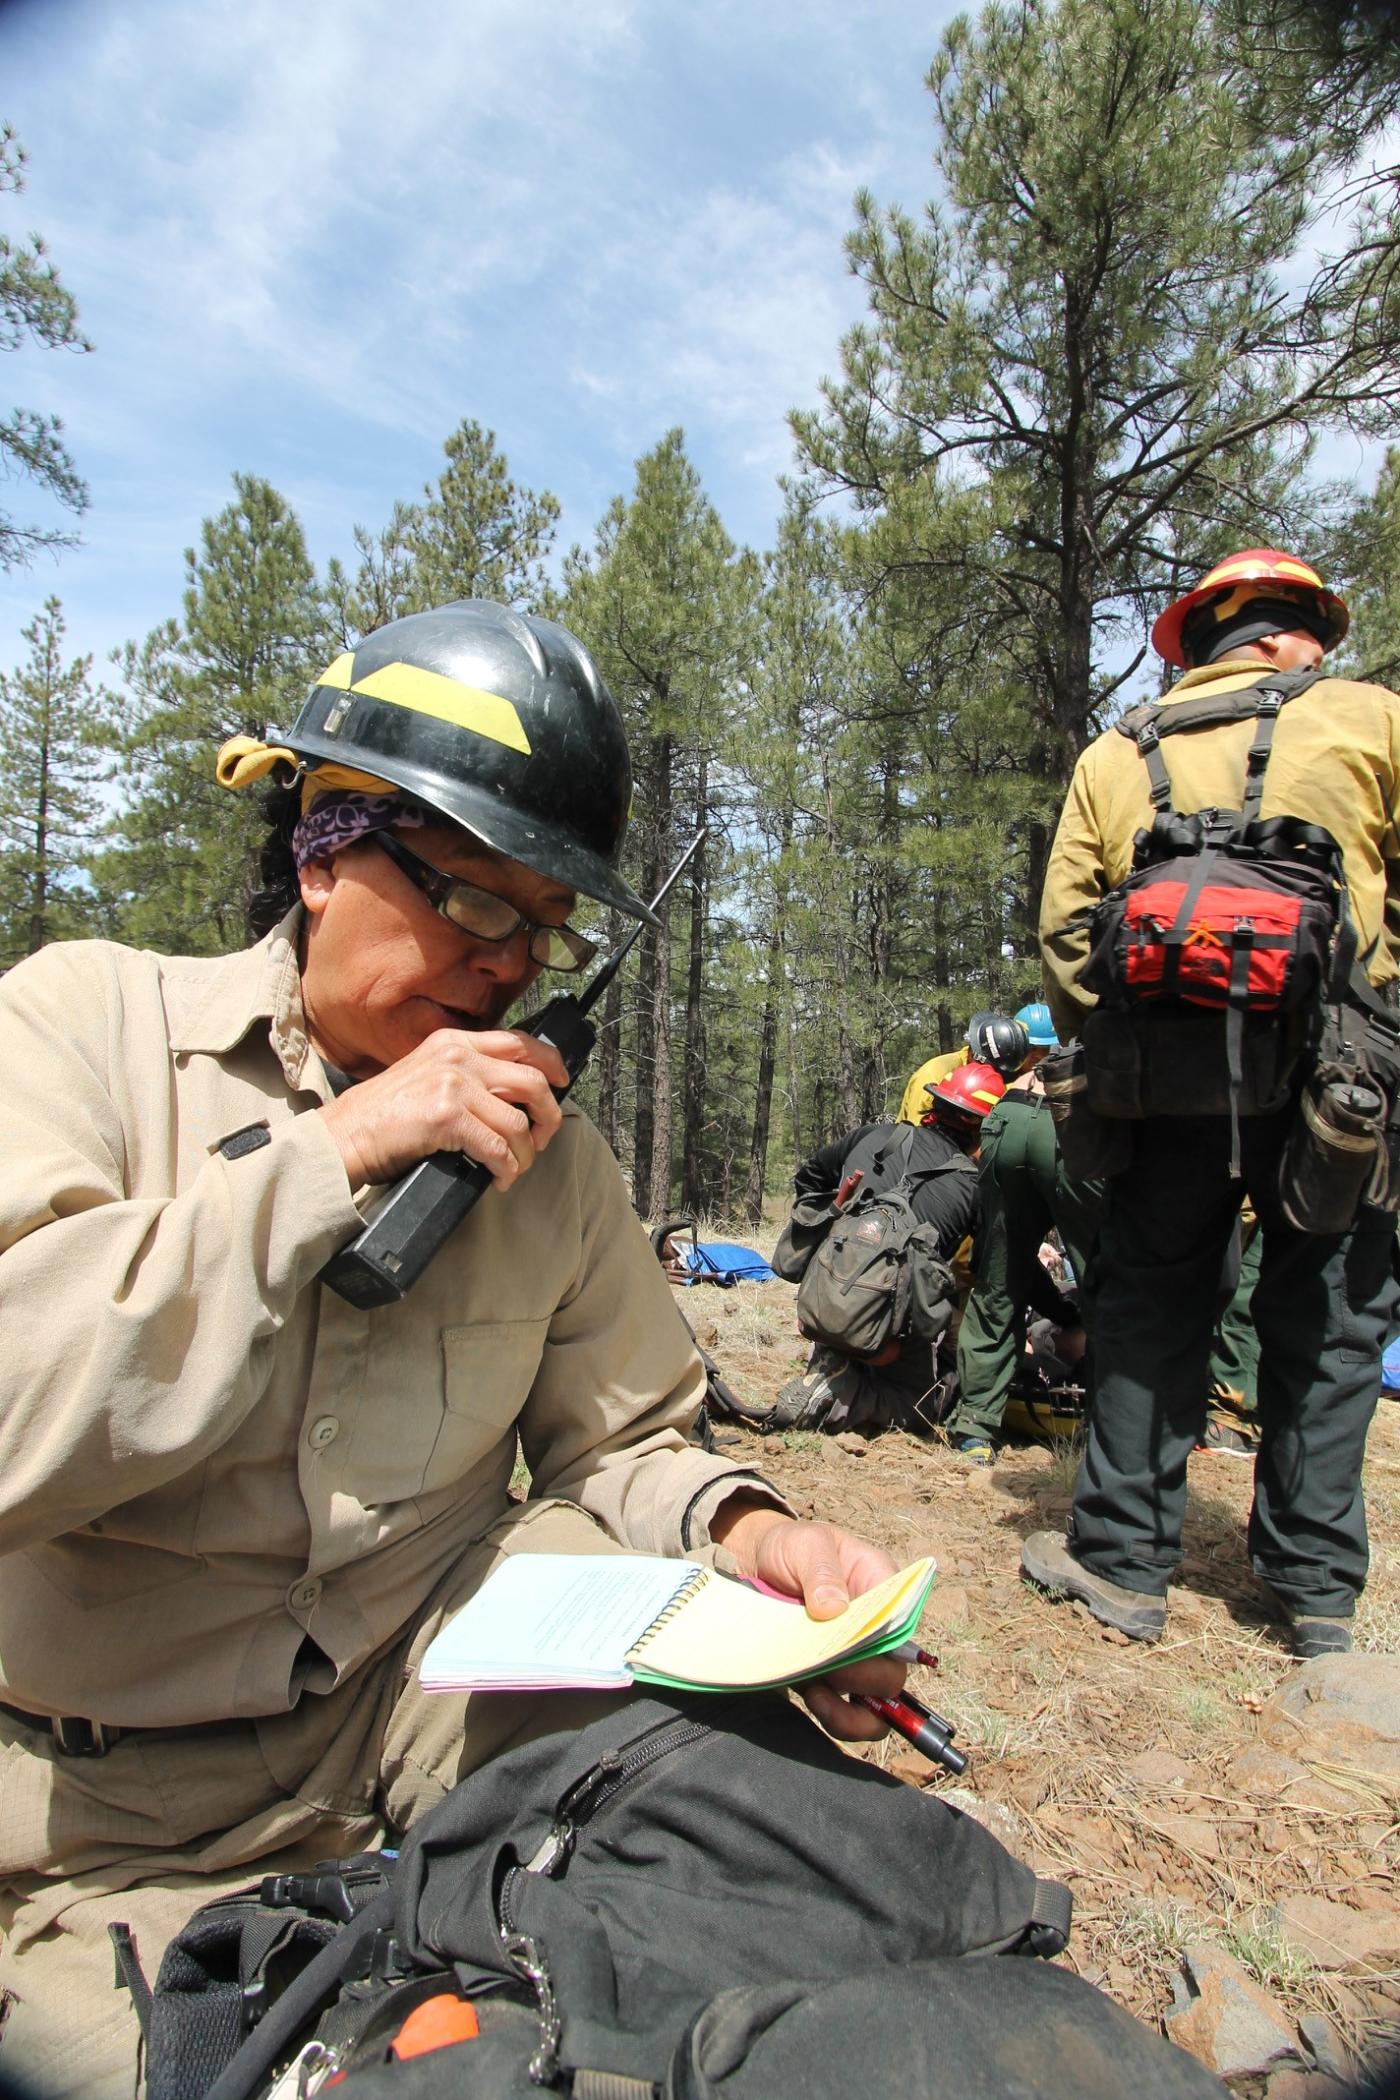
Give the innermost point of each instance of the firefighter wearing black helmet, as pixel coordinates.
(992, 1039)
(1325, 1299)
(233, 1507)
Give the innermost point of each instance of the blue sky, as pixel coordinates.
(308, 236)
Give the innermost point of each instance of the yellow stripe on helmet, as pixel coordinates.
(1284, 568)
(446, 699)
(341, 673)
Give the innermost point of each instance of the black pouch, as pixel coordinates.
(1361, 1039)
(1331, 1155)
(1092, 1146)
(1173, 1060)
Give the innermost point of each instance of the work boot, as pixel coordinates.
(1311, 1637)
(1048, 1561)
(1228, 1439)
(804, 1402)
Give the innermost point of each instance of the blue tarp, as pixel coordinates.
(1390, 1366)
(722, 1262)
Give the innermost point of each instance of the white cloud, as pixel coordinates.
(308, 239)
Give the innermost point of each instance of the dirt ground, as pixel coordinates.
(1124, 1770)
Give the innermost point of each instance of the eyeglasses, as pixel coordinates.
(486, 916)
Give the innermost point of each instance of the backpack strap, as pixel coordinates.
(900, 1141)
(1148, 724)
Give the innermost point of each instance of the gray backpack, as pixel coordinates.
(877, 1273)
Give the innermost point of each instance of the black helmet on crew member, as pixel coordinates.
(996, 1040)
(496, 719)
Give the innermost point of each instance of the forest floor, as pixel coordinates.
(1142, 1776)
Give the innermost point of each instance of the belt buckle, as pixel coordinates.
(78, 1738)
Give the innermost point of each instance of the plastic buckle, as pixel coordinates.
(324, 1894)
(78, 1738)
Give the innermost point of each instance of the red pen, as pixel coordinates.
(926, 1731)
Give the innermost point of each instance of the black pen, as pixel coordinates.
(926, 1731)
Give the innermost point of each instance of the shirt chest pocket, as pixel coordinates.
(488, 1369)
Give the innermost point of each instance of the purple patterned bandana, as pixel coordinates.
(345, 816)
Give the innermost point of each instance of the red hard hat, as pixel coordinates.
(1257, 572)
(972, 1089)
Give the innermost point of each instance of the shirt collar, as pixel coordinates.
(1239, 670)
(258, 984)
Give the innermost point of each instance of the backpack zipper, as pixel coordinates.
(581, 1803)
(602, 1783)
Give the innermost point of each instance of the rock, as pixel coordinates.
(1264, 1773)
(1225, 2020)
(1336, 1937)
(1157, 1768)
(1325, 2043)
(997, 1816)
(1306, 2085)
(1195, 1834)
(848, 1440)
(1362, 1690)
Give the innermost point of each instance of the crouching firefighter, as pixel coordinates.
(1218, 927)
(879, 1216)
(235, 1501)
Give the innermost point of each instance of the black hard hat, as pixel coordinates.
(498, 720)
(998, 1041)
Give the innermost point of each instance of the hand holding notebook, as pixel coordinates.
(552, 1621)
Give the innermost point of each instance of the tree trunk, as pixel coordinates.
(794, 1086)
(694, 1193)
(38, 917)
(610, 1044)
(652, 1121)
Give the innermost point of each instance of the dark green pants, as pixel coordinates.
(1323, 1307)
(1234, 1355)
(1024, 1191)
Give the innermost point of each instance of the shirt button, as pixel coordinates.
(302, 1595)
(323, 1432)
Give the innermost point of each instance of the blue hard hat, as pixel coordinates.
(1036, 1021)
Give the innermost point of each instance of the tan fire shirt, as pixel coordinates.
(221, 1485)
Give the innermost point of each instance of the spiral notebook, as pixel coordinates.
(556, 1621)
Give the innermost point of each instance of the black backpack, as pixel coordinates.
(1223, 915)
(686, 1897)
(875, 1272)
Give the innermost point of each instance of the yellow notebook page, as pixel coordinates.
(724, 1633)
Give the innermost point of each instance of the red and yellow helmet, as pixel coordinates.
(1257, 572)
(970, 1089)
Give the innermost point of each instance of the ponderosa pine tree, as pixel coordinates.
(1094, 331)
(35, 307)
(51, 717)
(181, 863)
(663, 600)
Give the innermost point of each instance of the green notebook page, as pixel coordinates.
(721, 1635)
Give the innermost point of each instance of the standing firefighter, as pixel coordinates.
(1207, 962)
